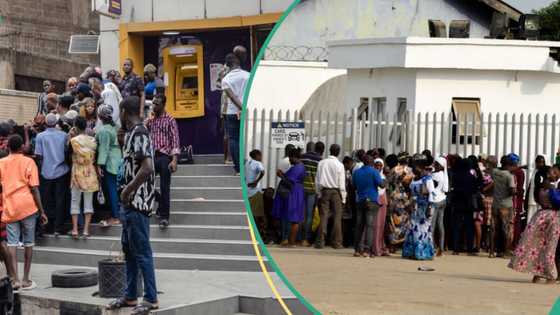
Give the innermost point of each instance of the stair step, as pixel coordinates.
(205, 205)
(176, 261)
(159, 245)
(183, 231)
(207, 218)
(209, 193)
(205, 169)
(204, 181)
(208, 159)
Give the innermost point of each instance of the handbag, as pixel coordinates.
(100, 196)
(284, 188)
(316, 220)
(477, 202)
(186, 155)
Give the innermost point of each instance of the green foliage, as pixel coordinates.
(550, 21)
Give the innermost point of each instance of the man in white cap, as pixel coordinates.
(50, 149)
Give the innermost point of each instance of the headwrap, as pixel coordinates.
(105, 112)
(51, 120)
(71, 115)
(514, 158)
(443, 162)
(378, 160)
(150, 68)
(84, 89)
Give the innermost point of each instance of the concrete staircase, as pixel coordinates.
(209, 228)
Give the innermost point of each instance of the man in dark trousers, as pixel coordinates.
(165, 137)
(137, 190)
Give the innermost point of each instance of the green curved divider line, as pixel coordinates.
(242, 169)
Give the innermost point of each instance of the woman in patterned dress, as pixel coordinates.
(399, 202)
(419, 244)
(536, 251)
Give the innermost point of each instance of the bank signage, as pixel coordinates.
(115, 7)
(283, 133)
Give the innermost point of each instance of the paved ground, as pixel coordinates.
(336, 283)
(178, 287)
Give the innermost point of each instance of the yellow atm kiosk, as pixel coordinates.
(184, 80)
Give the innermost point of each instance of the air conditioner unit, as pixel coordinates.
(499, 26)
(84, 44)
(529, 26)
(460, 29)
(437, 28)
(109, 8)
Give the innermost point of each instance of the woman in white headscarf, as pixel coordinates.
(378, 247)
(438, 198)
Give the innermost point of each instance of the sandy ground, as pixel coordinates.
(337, 283)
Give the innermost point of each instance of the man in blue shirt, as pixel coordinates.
(367, 180)
(50, 148)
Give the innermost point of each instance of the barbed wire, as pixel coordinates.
(296, 53)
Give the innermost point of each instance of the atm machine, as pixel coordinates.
(184, 80)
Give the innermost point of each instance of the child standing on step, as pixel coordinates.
(19, 178)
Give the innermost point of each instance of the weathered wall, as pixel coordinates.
(17, 105)
(314, 22)
(172, 10)
(38, 32)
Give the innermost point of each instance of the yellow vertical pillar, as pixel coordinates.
(131, 46)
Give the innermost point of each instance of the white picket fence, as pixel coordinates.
(497, 134)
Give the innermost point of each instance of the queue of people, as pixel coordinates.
(93, 150)
(420, 205)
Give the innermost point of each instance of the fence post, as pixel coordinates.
(545, 134)
(426, 131)
(498, 135)
(320, 123)
(521, 132)
(529, 127)
(441, 131)
(553, 140)
(489, 149)
(344, 135)
(269, 149)
(481, 134)
(513, 131)
(418, 119)
(353, 128)
(505, 133)
(336, 128)
(434, 133)
(537, 134)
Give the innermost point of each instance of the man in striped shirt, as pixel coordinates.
(165, 138)
(311, 158)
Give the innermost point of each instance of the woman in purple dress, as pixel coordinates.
(289, 202)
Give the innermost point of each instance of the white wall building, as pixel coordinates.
(427, 74)
(304, 34)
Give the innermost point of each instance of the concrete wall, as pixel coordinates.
(39, 31)
(282, 85)
(172, 10)
(390, 83)
(499, 91)
(314, 22)
(17, 105)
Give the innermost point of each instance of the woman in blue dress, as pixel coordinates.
(289, 202)
(418, 243)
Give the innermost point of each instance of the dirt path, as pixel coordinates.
(337, 283)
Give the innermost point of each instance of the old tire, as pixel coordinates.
(74, 278)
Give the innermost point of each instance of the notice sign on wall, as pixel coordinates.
(283, 133)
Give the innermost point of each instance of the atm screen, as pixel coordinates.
(189, 83)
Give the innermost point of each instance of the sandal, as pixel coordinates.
(32, 285)
(75, 235)
(144, 308)
(85, 236)
(120, 303)
(104, 223)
